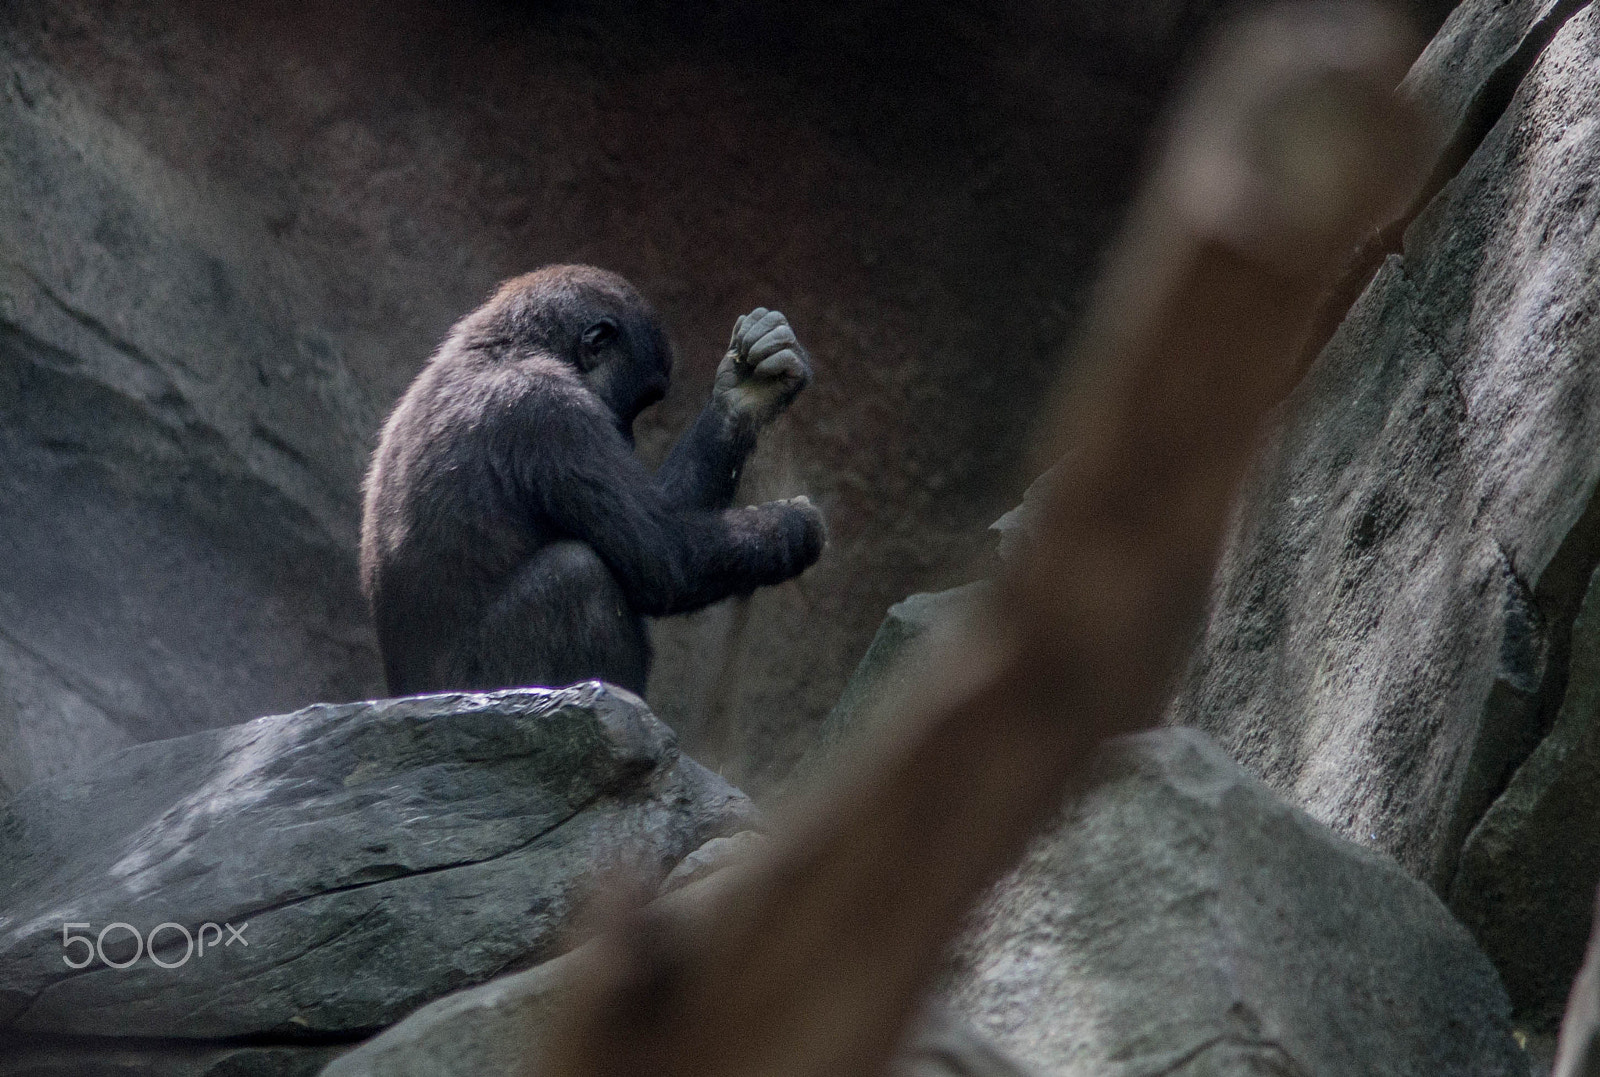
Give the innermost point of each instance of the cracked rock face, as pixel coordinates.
(382, 854)
(1392, 625)
(1526, 884)
(887, 671)
(180, 457)
(1182, 920)
(1528, 869)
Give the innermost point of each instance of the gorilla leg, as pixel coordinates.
(563, 618)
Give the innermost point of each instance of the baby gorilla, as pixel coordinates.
(510, 537)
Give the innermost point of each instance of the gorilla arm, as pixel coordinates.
(575, 471)
(764, 369)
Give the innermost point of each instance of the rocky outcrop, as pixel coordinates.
(1181, 919)
(371, 857)
(885, 674)
(1529, 869)
(177, 506)
(1392, 626)
(493, 1030)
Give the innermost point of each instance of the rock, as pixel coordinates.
(1482, 50)
(1390, 624)
(713, 856)
(885, 673)
(132, 1060)
(1182, 919)
(1016, 528)
(1529, 869)
(178, 503)
(374, 856)
(485, 1031)
(491, 1031)
(946, 1046)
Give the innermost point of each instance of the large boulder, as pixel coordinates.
(494, 1029)
(1392, 625)
(1181, 919)
(382, 855)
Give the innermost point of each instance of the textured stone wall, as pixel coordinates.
(1392, 635)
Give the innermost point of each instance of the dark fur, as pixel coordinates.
(510, 537)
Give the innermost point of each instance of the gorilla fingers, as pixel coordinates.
(800, 535)
(764, 369)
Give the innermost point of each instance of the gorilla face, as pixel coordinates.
(594, 320)
(627, 366)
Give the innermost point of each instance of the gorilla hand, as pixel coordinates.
(799, 531)
(764, 370)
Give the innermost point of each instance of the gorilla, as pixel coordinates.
(510, 537)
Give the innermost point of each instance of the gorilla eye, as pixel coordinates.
(593, 343)
(600, 334)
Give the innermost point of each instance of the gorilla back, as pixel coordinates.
(509, 535)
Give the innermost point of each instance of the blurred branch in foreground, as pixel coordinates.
(811, 961)
(1578, 1052)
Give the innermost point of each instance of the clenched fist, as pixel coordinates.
(764, 370)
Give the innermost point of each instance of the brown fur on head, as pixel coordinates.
(590, 318)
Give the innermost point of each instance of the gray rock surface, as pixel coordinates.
(176, 509)
(943, 1045)
(493, 1029)
(713, 856)
(1016, 528)
(163, 1060)
(886, 673)
(1392, 622)
(485, 1031)
(1478, 40)
(382, 855)
(1528, 871)
(1182, 919)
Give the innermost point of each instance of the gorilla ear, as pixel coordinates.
(595, 340)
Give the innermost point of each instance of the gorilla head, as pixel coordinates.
(595, 320)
